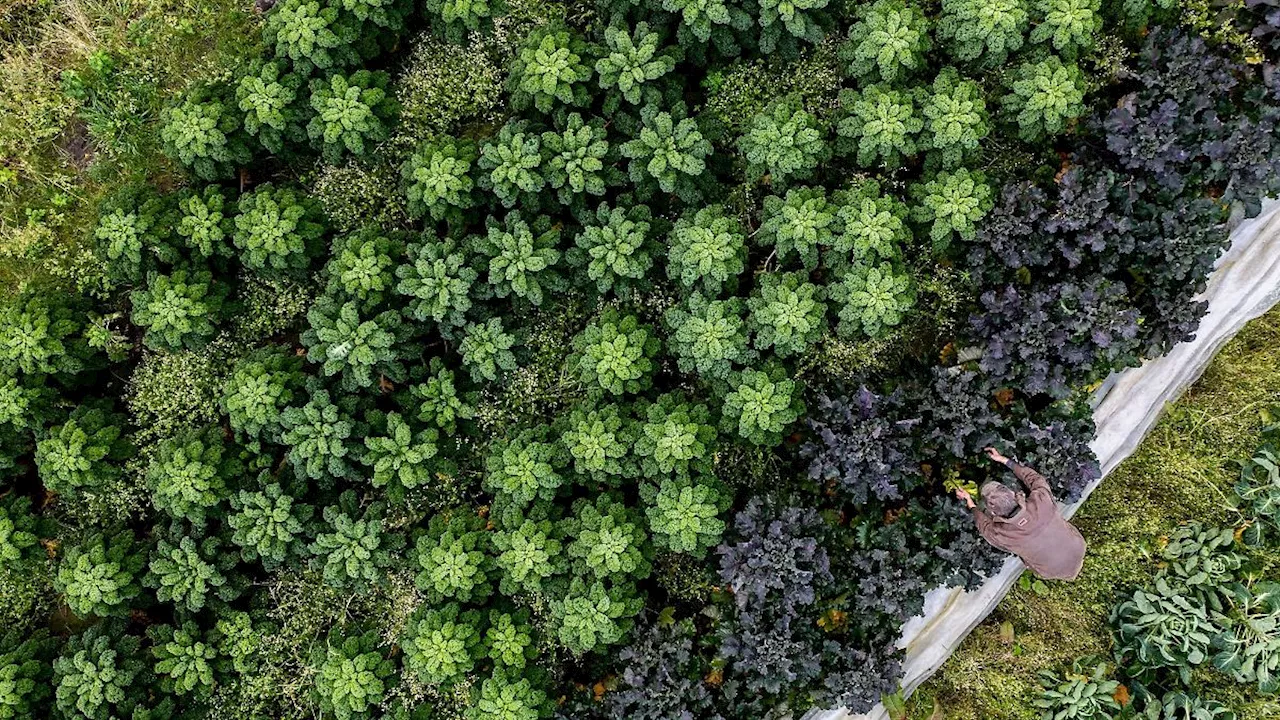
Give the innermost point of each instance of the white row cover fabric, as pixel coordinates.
(1245, 284)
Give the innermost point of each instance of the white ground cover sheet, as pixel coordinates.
(1245, 284)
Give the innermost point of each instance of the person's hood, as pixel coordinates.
(1019, 518)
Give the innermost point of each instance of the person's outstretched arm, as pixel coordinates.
(981, 519)
(1028, 477)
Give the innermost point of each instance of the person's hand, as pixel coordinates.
(995, 455)
(965, 496)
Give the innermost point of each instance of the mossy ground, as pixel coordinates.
(1182, 471)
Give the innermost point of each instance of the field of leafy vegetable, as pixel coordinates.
(507, 360)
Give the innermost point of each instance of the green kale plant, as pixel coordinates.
(312, 35)
(761, 406)
(592, 616)
(191, 474)
(872, 298)
(178, 310)
(102, 674)
(356, 345)
(454, 559)
(551, 67)
(507, 696)
(438, 280)
(529, 554)
(955, 119)
(882, 125)
(782, 22)
(508, 641)
(982, 31)
(351, 113)
(205, 136)
(399, 457)
(616, 247)
(321, 438)
(608, 540)
(520, 259)
(889, 40)
(128, 234)
(460, 17)
(84, 453)
(784, 141)
(19, 533)
(669, 151)
(100, 576)
(952, 203)
(191, 573)
(269, 96)
(278, 230)
(360, 267)
(684, 514)
(633, 61)
(437, 178)
(438, 402)
(26, 674)
(204, 222)
(523, 468)
(707, 250)
(599, 441)
(486, 350)
(710, 21)
(355, 549)
(708, 337)
(351, 675)
(1071, 26)
(37, 337)
(1043, 97)
(575, 158)
(260, 387)
(800, 224)
(442, 645)
(185, 659)
(787, 313)
(873, 226)
(512, 165)
(616, 354)
(269, 525)
(675, 437)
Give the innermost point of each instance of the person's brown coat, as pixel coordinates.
(1049, 545)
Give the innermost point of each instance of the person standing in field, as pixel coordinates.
(1029, 524)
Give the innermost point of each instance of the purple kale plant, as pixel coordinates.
(1053, 338)
(775, 559)
(862, 446)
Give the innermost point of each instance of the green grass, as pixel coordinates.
(61, 152)
(1182, 471)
